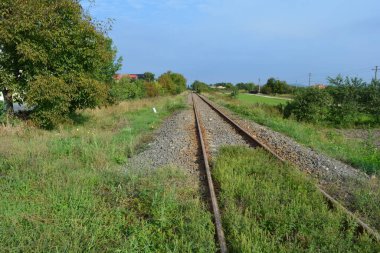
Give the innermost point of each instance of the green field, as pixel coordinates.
(271, 207)
(255, 99)
(66, 190)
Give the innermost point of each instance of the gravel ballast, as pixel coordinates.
(175, 144)
(218, 132)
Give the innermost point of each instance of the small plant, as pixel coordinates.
(234, 92)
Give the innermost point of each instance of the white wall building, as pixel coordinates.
(1, 96)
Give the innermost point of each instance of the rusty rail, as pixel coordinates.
(362, 225)
(214, 202)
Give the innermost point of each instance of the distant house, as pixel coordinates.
(118, 77)
(319, 86)
(1, 96)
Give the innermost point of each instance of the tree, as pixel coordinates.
(246, 86)
(274, 86)
(148, 76)
(173, 83)
(312, 105)
(51, 47)
(199, 87)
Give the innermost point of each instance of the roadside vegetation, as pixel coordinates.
(346, 102)
(271, 207)
(360, 153)
(66, 190)
(169, 83)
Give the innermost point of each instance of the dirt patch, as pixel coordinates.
(371, 135)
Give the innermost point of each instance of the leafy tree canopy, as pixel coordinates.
(199, 86)
(52, 48)
(174, 83)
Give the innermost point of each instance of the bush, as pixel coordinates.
(234, 92)
(128, 89)
(346, 102)
(311, 105)
(199, 87)
(173, 83)
(153, 89)
(53, 99)
(274, 86)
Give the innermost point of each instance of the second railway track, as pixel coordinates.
(209, 150)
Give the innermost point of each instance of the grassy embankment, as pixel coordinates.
(66, 190)
(271, 207)
(361, 154)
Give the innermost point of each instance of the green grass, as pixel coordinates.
(66, 190)
(362, 154)
(254, 99)
(271, 207)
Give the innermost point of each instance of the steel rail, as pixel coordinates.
(365, 227)
(214, 202)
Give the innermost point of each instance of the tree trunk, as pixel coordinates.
(8, 100)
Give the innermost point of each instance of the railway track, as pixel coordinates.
(254, 142)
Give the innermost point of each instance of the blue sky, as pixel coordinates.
(244, 40)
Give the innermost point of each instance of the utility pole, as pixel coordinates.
(259, 85)
(376, 69)
(309, 79)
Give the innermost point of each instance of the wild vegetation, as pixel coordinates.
(271, 207)
(168, 83)
(67, 190)
(362, 153)
(346, 102)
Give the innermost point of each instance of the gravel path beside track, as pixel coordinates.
(175, 143)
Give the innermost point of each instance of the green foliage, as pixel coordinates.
(234, 92)
(312, 105)
(149, 77)
(226, 85)
(173, 83)
(274, 86)
(272, 207)
(247, 86)
(153, 89)
(199, 87)
(54, 40)
(126, 88)
(346, 102)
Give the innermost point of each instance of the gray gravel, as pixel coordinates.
(218, 132)
(175, 144)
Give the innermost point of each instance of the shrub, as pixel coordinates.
(173, 83)
(199, 87)
(311, 105)
(153, 89)
(51, 103)
(234, 92)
